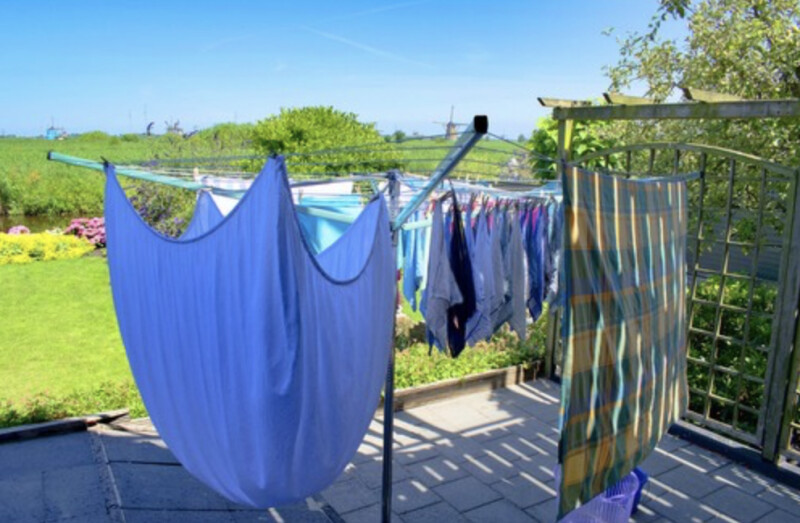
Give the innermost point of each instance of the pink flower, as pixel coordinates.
(19, 229)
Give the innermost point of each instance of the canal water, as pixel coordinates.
(34, 223)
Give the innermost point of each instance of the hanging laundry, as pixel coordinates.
(442, 291)
(535, 250)
(225, 204)
(259, 363)
(624, 327)
(480, 325)
(461, 265)
(554, 254)
(206, 216)
(321, 232)
(414, 248)
(513, 308)
(502, 292)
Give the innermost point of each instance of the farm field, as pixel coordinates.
(33, 186)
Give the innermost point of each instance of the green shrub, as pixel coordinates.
(25, 248)
(46, 407)
(313, 129)
(92, 136)
(414, 366)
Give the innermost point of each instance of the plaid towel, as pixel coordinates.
(624, 368)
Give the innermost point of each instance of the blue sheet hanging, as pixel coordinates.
(206, 216)
(260, 364)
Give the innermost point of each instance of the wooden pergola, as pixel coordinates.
(781, 382)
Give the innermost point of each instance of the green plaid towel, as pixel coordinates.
(624, 367)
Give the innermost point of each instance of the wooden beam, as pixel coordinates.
(683, 111)
(783, 340)
(623, 99)
(699, 95)
(557, 102)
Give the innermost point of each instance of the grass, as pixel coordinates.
(61, 354)
(59, 333)
(31, 185)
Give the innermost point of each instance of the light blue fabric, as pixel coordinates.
(321, 233)
(480, 325)
(259, 363)
(414, 254)
(206, 216)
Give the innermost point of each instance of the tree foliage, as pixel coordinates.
(324, 140)
(586, 139)
(226, 136)
(749, 48)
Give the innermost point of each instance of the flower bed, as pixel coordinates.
(26, 248)
(91, 229)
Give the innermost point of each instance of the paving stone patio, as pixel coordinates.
(484, 457)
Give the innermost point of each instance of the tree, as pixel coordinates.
(324, 140)
(397, 136)
(586, 138)
(749, 48)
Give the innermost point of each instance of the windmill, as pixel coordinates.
(451, 127)
(174, 128)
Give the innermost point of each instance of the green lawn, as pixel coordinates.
(58, 329)
(61, 354)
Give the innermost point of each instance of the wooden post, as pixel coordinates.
(565, 132)
(785, 334)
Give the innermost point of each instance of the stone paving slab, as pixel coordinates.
(48, 453)
(138, 448)
(484, 457)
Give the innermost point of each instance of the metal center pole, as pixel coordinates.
(471, 135)
(388, 390)
(388, 425)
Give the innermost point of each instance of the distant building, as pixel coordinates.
(55, 133)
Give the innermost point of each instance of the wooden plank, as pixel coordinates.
(559, 102)
(772, 167)
(790, 401)
(721, 290)
(683, 111)
(552, 331)
(452, 388)
(565, 130)
(624, 99)
(697, 245)
(785, 334)
(762, 196)
(700, 95)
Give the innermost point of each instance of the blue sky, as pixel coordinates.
(115, 66)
